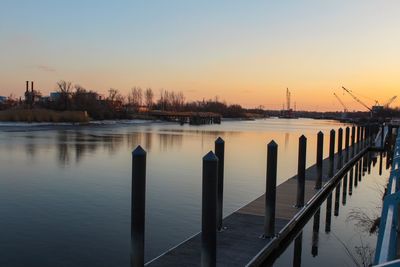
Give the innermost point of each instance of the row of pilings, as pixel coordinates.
(213, 180)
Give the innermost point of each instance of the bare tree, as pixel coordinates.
(64, 87)
(149, 95)
(162, 101)
(65, 90)
(112, 94)
(136, 96)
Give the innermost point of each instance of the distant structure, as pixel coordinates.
(55, 96)
(31, 96)
(3, 99)
(345, 109)
(375, 109)
(288, 113)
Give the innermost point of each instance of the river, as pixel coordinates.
(65, 190)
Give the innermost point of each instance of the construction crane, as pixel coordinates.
(287, 98)
(390, 101)
(356, 98)
(341, 102)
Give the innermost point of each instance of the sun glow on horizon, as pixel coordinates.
(245, 53)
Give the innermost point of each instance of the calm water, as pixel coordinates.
(345, 239)
(65, 191)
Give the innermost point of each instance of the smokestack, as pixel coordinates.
(27, 86)
(32, 86)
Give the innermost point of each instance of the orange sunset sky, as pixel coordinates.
(245, 52)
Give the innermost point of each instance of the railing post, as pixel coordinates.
(340, 142)
(209, 211)
(353, 135)
(301, 171)
(220, 153)
(270, 193)
(320, 152)
(138, 203)
(347, 140)
(331, 152)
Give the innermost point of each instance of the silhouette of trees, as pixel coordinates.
(171, 101)
(115, 105)
(135, 98)
(149, 95)
(228, 111)
(65, 90)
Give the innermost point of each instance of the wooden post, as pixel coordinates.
(220, 153)
(320, 152)
(301, 171)
(209, 211)
(353, 136)
(340, 141)
(270, 193)
(358, 139)
(331, 152)
(138, 203)
(347, 138)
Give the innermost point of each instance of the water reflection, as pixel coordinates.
(62, 148)
(369, 162)
(315, 236)
(350, 236)
(287, 136)
(168, 141)
(77, 144)
(328, 216)
(298, 243)
(351, 181)
(79, 184)
(344, 196)
(337, 199)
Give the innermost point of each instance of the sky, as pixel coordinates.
(245, 52)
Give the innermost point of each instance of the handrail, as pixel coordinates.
(302, 216)
(386, 248)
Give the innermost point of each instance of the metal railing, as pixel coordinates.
(381, 136)
(387, 244)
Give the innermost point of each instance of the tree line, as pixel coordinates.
(115, 105)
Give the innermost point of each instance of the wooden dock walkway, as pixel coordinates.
(241, 240)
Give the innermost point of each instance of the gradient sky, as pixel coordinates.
(245, 52)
